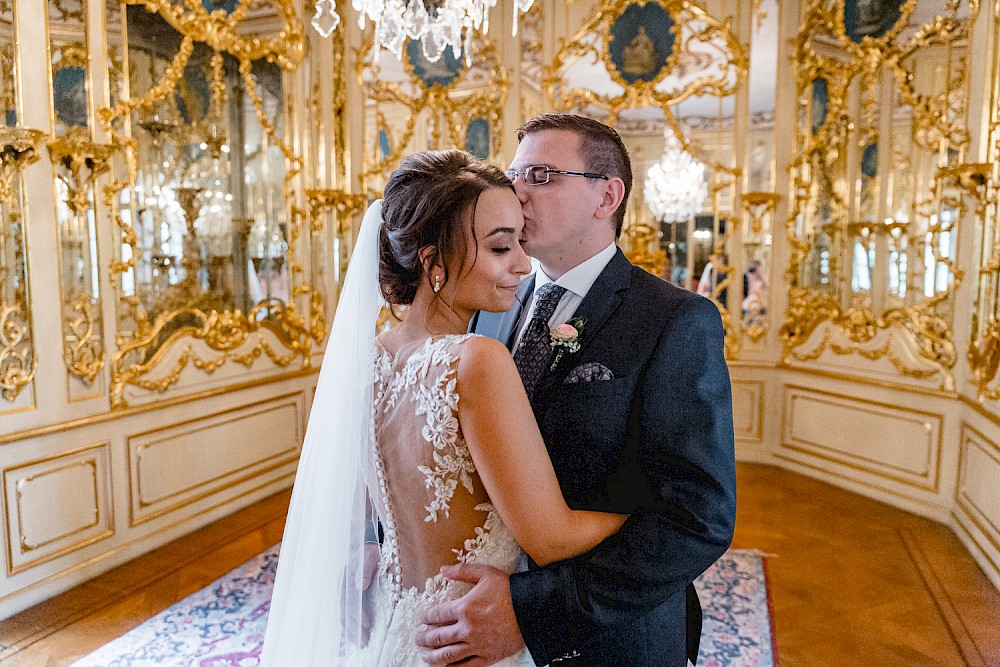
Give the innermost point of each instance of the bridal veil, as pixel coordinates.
(316, 615)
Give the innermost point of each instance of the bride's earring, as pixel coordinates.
(437, 284)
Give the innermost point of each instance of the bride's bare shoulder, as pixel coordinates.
(485, 359)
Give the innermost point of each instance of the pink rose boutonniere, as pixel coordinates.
(565, 338)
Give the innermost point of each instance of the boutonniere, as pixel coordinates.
(565, 338)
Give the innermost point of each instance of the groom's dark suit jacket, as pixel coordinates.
(654, 442)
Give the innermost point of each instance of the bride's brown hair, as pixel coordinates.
(424, 205)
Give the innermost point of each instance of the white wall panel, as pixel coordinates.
(748, 410)
(77, 483)
(977, 497)
(888, 442)
(174, 466)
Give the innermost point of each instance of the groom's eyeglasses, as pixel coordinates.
(538, 174)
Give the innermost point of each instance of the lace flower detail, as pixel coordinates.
(475, 547)
(452, 462)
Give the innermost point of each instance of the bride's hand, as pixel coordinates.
(372, 557)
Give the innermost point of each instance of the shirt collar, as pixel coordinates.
(581, 277)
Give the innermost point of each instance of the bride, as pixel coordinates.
(422, 449)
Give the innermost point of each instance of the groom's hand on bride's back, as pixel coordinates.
(476, 630)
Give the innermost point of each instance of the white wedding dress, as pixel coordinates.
(430, 500)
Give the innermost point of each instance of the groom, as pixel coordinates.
(637, 420)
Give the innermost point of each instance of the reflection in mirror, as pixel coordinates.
(211, 221)
(414, 104)
(77, 162)
(881, 105)
(18, 149)
(8, 80)
(759, 200)
(707, 122)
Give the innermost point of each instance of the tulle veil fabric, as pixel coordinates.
(317, 607)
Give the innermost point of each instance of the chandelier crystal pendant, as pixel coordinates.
(675, 186)
(438, 24)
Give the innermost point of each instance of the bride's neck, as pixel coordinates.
(432, 315)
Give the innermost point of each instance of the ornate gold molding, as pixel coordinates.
(80, 161)
(476, 91)
(344, 204)
(691, 25)
(18, 150)
(204, 317)
(83, 160)
(757, 205)
(830, 210)
(83, 351)
(17, 358)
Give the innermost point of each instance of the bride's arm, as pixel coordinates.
(512, 461)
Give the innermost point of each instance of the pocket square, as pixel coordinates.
(591, 371)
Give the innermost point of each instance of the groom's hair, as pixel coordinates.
(424, 206)
(601, 148)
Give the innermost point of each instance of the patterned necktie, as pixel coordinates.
(535, 349)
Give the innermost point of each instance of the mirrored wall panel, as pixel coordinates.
(416, 103)
(202, 187)
(77, 161)
(882, 90)
(18, 149)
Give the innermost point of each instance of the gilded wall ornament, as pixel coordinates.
(455, 99)
(79, 161)
(872, 270)
(194, 294)
(18, 150)
(980, 183)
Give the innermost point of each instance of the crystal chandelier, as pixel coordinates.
(438, 24)
(675, 186)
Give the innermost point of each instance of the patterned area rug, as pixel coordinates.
(736, 624)
(222, 625)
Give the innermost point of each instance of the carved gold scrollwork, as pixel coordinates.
(18, 150)
(345, 207)
(454, 100)
(758, 205)
(872, 269)
(691, 26)
(17, 360)
(83, 160)
(344, 204)
(84, 351)
(186, 310)
(80, 161)
(645, 248)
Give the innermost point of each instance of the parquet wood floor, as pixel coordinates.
(852, 582)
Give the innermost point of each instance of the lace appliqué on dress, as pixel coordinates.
(492, 545)
(428, 380)
(439, 402)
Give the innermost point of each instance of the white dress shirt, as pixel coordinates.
(577, 282)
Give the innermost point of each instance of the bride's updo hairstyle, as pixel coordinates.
(425, 203)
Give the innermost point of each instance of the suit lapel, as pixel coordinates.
(503, 326)
(604, 297)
